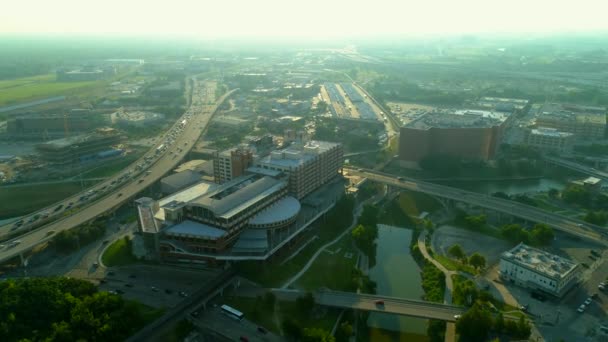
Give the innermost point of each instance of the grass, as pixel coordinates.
(118, 254)
(454, 265)
(111, 167)
(332, 271)
(17, 201)
(29, 88)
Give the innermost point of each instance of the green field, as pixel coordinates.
(37, 87)
(17, 201)
(118, 254)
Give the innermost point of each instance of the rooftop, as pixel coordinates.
(72, 141)
(465, 118)
(189, 193)
(550, 132)
(502, 103)
(284, 209)
(297, 154)
(574, 112)
(197, 229)
(547, 264)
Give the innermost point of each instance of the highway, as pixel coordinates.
(577, 167)
(392, 305)
(200, 113)
(563, 223)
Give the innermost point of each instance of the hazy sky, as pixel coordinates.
(331, 18)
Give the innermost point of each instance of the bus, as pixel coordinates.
(232, 312)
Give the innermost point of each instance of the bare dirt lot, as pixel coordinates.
(471, 242)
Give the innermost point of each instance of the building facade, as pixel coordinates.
(77, 149)
(549, 139)
(586, 123)
(308, 165)
(231, 163)
(539, 270)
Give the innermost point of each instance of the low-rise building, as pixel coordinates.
(539, 270)
(585, 122)
(549, 139)
(73, 151)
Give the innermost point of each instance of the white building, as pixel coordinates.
(550, 139)
(539, 270)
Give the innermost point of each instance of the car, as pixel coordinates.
(183, 294)
(119, 291)
(401, 179)
(119, 194)
(601, 287)
(105, 242)
(111, 273)
(243, 339)
(588, 301)
(194, 313)
(262, 330)
(154, 288)
(102, 281)
(113, 292)
(581, 308)
(140, 181)
(457, 317)
(58, 207)
(167, 291)
(131, 275)
(379, 302)
(129, 285)
(96, 264)
(523, 308)
(50, 232)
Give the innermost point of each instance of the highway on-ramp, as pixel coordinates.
(560, 222)
(198, 122)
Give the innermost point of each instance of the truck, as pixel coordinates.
(159, 149)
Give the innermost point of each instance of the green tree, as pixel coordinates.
(477, 260)
(269, 301)
(305, 303)
(456, 252)
(291, 329)
(499, 323)
(316, 335)
(541, 235)
(553, 193)
(514, 233)
(475, 324)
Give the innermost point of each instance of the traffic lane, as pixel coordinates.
(215, 320)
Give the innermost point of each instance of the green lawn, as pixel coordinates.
(17, 201)
(331, 270)
(30, 88)
(118, 254)
(454, 265)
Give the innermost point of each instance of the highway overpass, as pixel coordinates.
(367, 302)
(577, 167)
(201, 115)
(559, 222)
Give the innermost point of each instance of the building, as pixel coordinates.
(213, 222)
(231, 121)
(231, 163)
(591, 183)
(539, 270)
(307, 164)
(85, 74)
(136, 118)
(471, 134)
(261, 145)
(178, 181)
(75, 150)
(585, 122)
(549, 139)
(47, 126)
(501, 104)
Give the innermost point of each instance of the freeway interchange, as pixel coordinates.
(560, 222)
(121, 188)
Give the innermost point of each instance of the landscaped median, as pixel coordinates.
(119, 253)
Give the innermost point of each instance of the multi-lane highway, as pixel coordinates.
(559, 222)
(577, 167)
(133, 181)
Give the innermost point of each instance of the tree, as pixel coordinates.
(475, 324)
(477, 260)
(541, 235)
(499, 323)
(514, 233)
(553, 193)
(269, 301)
(291, 329)
(369, 216)
(305, 303)
(316, 335)
(456, 252)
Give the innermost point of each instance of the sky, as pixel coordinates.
(309, 18)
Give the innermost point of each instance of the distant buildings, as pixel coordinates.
(501, 104)
(586, 123)
(471, 134)
(549, 139)
(539, 270)
(75, 150)
(135, 118)
(40, 127)
(85, 74)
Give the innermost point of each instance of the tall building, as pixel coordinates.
(585, 122)
(307, 164)
(231, 163)
(472, 134)
(539, 270)
(549, 139)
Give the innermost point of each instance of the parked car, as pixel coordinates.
(588, 301)
(581, 308)
(379, 302)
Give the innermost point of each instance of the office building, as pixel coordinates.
(308, 165)
(585, 122)
(231, 163)
(539, 270)
(75, 150)
(470, 134)
(549, 139)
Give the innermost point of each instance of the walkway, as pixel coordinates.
(450, 329)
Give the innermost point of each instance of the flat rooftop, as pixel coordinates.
(563, 111)
(541, 262)
(550, 132)
(189, 194)
(297, 154)
(73, 140)
(464, 118)
(285, 209)
(196, 229)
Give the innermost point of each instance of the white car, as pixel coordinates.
(456, 317)
(588, 301)
(581, 308)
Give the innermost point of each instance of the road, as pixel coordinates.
(563, 223)
(577, 167)
(122, 194)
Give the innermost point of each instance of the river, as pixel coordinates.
(510, 187)
(396, 274)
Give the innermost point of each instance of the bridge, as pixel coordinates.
(559, 222)
(577, 167)
(197, 124)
